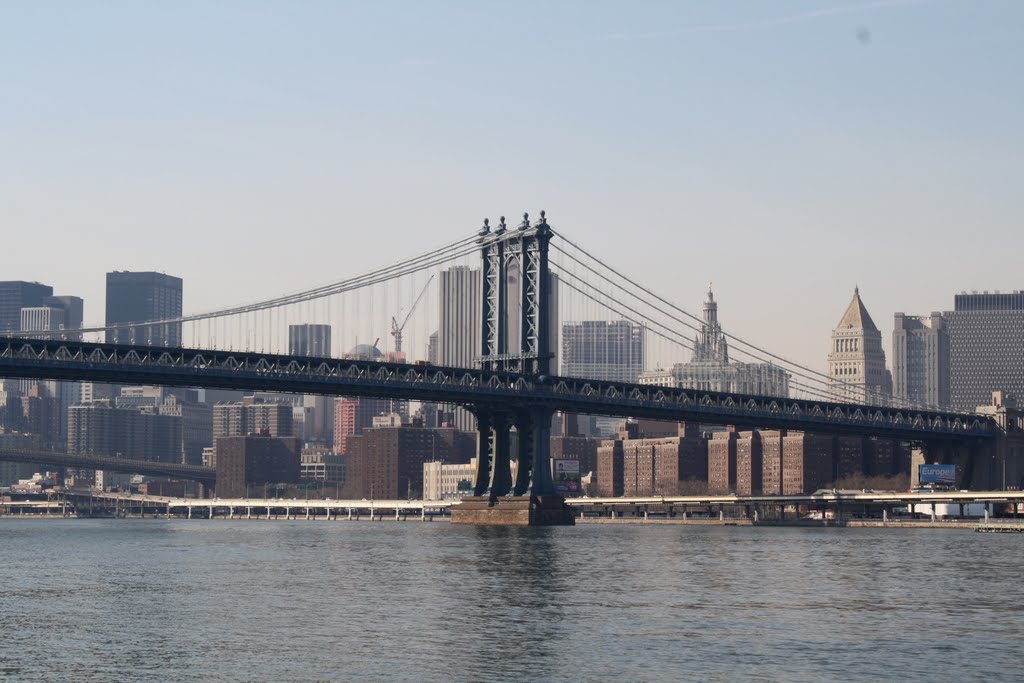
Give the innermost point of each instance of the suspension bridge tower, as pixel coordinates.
(529, 499)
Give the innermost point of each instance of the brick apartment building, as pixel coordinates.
(244, 461)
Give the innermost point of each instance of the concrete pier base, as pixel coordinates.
(514, 511)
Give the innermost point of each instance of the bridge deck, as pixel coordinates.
(123, 364)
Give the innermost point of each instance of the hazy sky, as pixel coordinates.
(787, 150)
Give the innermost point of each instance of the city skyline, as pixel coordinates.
(806, 145)
(311, 310)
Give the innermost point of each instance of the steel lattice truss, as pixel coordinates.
(504, 391)
(523, 250)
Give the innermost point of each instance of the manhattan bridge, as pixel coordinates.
(476, 324)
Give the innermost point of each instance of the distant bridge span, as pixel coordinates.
(206, 475)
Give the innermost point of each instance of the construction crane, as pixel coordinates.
(396, 329)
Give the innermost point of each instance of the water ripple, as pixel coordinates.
(157, 600)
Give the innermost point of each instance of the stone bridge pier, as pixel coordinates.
(528, 498)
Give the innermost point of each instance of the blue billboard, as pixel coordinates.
(937, 474)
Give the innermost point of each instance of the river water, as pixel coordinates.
(164, 600)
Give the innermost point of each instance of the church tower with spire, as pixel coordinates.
(856, 363)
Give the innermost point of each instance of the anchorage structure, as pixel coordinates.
(524, 250)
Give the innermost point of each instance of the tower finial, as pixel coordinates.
(856, 290)
(487, 227)
(526, 222)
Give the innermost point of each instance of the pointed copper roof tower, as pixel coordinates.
(856, 316)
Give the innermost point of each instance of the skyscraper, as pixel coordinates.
(137, 297)
(42, 319)
(309, 340)
(856, 363)
(986, 347)
(16, 295)
(73, 308)
(920, 359)
(432, 349)
(604, 350)
(314, 340)
(459, 335)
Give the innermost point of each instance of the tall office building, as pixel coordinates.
(432, 349)
(710, 368)
(605, 350)
(986, 347)
(16, 295)
(920, 359)
(856, 363)
(458, 334)
(58, 314)
(314, 340)
(42, 318)
(137, 297)
(73, 308)
(309, 340)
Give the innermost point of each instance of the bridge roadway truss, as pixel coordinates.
(484, 391)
